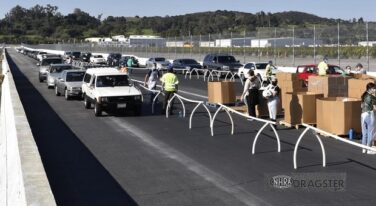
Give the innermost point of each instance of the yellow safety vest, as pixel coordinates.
(170, 81)
(322, 68)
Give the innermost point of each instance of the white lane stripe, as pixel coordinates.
(218, 180)
(180, 91)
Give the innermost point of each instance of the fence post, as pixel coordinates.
(367, 46)
(338, 54)
(293, 46)
(274, 51)
(244, 48)
(314, 44)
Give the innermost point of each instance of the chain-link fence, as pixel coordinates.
(344, 44)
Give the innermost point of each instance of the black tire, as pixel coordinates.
(97, 109)
(87, 102)
(40, 80)
(57, 93)
(137, 110)
(66, 95)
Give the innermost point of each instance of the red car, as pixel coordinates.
(304, 71)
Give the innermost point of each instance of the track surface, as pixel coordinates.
(151, 160)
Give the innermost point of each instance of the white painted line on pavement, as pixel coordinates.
(218, 180)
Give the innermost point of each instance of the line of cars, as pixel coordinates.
(106, 88)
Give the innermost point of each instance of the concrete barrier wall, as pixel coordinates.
(23, 180)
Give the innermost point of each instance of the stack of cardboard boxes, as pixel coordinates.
(330, 86)
(289, 82)
(358, 86)
(221, 92)
(337, 115)
(301, 108)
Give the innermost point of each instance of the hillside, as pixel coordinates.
(41, 24)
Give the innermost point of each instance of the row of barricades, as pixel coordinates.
(211, 74)
(229, 111)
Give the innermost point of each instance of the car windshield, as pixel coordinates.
(116, 56)
(226, 59)
(189, 61)
(42, 52)
(112, 81)
(58, 69)
(98, 56)
(249, 66)
(47, 62)
(75, 76)
(161, 59)
(76, 54)
(261, 65)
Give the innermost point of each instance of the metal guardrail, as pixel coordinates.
(229, 110)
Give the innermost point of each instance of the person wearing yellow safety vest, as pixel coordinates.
(268, 70)
(323, 67)
(169, 86)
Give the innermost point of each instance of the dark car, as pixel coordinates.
(304, 71)
(124, 61)
(185, 64)
(223, 62)
(113, 59)
(85, 57)
(76, 55)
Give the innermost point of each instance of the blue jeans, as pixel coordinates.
(367, 123)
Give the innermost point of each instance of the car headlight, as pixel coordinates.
(137, 98)
(104, 99)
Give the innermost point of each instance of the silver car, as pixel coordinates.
(54, 72)
(69, 83)
(161, 62)
(45, 64)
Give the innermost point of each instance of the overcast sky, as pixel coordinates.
(344, 9)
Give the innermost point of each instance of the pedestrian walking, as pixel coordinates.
(271, 93)
(251, 91)
(170, 86)
(151, 79)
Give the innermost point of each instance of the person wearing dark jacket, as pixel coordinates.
(251, 90)
(367, 117)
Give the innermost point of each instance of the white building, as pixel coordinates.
(175, 44)
(94, 39)
(143, 40)
(207, 44)
(364, 43)
(234, 42)
(284, 42)
(119, 38)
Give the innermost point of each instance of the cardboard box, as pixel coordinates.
(358, 86)
(221, 92)
(338, 115)
(301, 107)
(330, 86)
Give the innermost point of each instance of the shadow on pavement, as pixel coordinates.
(75, 175)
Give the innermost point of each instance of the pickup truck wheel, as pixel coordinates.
(66, 95)
(97, 109)
(87, 102)
(137, 110)
(57, 93)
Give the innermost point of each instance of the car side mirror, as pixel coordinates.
(38, 64)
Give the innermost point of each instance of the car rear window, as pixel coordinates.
(189, 61)
(226, 59)
(261, 66)
(47, 62)
(58, 69)
(75, 76)
(160, 59)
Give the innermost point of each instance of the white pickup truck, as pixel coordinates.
(110, 90)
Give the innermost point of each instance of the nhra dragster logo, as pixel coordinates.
(281, 181)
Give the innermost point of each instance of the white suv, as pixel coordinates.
(258, 67)
(108, 89)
